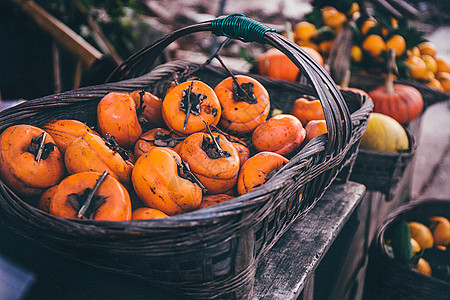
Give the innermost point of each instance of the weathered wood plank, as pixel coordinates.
(284, 271)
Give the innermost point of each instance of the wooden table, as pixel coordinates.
(286, 272)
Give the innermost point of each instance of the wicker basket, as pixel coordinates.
(382, 171)
(211, 253)
(388, 278)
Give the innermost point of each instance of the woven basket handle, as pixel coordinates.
(237, 26)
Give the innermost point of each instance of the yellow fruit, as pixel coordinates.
(374, 44)
(356, 54)
(304, 30)
(422, 234)
(434, 83)
(427, 48)
(440, 227)
(367, 25)
(423, 267)
(417, 67)
(398, 43)
(332, 17)
(444, 79)
(415, 246)
(430, 63)
(384, 134)
(442, 65)
(326, 46)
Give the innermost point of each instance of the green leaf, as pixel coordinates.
(401, 242)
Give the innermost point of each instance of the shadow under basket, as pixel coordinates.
(388, 278)
(211, 253)
(382, 171)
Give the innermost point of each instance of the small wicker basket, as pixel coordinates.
(211, 253)
(388, 278)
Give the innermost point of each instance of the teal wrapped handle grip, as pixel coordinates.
(238, 26)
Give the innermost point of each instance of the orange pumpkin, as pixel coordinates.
(315, 128)
(91, 153)
(110, 201)
(187, 106)
(156, 137)
(306, 110)
(282, 134)
(214, 163)
(117, 116)
(210, 200)
(158, 183)
(145, 213)
(26, 167)
(256, 170)
(149, 107)
(244, 105)
(65, 132)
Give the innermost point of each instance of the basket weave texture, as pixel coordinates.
(211, 253)
(388, 278)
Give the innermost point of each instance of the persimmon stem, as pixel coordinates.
(219, 149)
(228, 136)
(185, 171)
(41, 147)
(391, 67)
(90, 196)
(188, 110)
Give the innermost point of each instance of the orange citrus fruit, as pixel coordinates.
(332, 17)
(398, 43)
(304, 30)
(423, 267)
(440, 227)
(374, 44)
(422, 234)
(417, 67)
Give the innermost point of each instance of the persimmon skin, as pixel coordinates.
(90, 153)
(282, 134)
(243, 152)
(116, 206)
(145, 213)
(116, 115)
(65, 132)
(153, 107)
(254, 172)
(218, 175)
(157, 183)
(241, 117)
(306, 110)
(174, 116)
(315, 128)
(19, 169)
(210, 200)
(44, 199)
(143, 145)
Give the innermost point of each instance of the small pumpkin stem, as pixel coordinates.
(185, 172)
(90, 196)
(390, 76)
(41, 147)
(346, 80)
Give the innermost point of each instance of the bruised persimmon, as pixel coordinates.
(117, 116)
(258, 169)
(210, 200)
(282, 134)
(92, 153)
(149, 107)
(30, 162)
(91, 195)
(245, 103)
(315, 128)
(145, 213)
(156, 137)
(187, 106)
(212, 159)
(160, 181)
(65, 131)
(306, 110)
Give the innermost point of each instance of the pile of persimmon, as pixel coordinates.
(148, 157)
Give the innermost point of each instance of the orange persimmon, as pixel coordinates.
(116, 115)
(306, 110)
(158, 183)
(156, 137)
(256, 170)
(26, 167)
(210, 200)
(92, 153)
(145, 213)
(282, 134)
(187, 106)
(244, 105)
(214, 162)
(110, 201)
(315, 128)
(148, 106)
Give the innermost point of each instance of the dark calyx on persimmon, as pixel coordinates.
(110, 141)
(40, 149)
